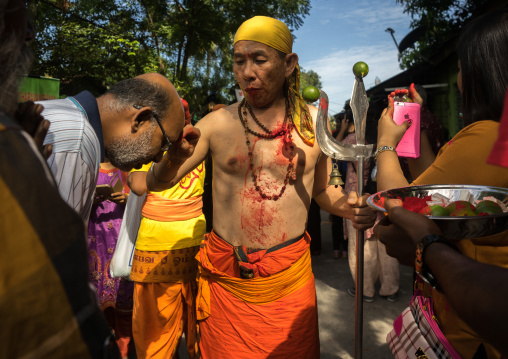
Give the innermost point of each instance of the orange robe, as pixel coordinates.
(272, 314)
(164, 269)
(158, 324)
(163, 321)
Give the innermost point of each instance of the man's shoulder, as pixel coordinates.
(313, 110)
(219, 119)
(70, 131)
(17, 147)
(62, 108)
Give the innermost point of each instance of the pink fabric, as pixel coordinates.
(499, 154)
(114, 295)
(397, 325)
(103, 228)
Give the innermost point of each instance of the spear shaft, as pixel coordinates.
(359, 107)
(356, 153)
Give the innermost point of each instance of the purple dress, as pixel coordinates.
(103, 229)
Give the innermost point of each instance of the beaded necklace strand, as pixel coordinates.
(286, 130)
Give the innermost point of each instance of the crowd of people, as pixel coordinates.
(243, 286)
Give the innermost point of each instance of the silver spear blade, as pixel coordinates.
(359, 106)
(329, 145)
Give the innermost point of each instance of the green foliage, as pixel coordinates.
(309, 78)
(92, 44)
(87, 49)
(442, 19)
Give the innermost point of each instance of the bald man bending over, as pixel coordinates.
(130, 125)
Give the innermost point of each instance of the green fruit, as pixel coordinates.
(488, 207)
(360, 69)
(463, 212)
(435, 210)
(310, 93)
(459, 205)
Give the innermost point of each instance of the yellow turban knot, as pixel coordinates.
(275, 33)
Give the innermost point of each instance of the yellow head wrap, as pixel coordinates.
(275, 33)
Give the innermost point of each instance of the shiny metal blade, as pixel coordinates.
(329, 145)
(359, 106)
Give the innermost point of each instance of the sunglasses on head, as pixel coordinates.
(168, 144)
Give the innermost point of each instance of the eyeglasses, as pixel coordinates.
(168, 144)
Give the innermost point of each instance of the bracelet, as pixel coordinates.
(382, 149)
(154, 176)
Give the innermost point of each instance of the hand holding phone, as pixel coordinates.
(105, 191)
(118, 198)
(409, 145)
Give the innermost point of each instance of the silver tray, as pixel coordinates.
(453, 228)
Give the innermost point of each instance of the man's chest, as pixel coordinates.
(237, 154)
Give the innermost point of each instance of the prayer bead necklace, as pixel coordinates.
(286, 130)
(269, 134)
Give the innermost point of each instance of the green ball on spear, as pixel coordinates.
(360, 69)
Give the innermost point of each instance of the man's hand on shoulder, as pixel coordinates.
(28, 115)
(363, 217)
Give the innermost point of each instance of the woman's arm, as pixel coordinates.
(389, 173)
(418, 165)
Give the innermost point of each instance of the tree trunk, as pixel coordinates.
(208, 62)
(154, 35)
(179, 59)
(183, 72)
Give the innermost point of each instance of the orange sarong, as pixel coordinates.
(174, 265)
(271, 315)
(163, 209)
(164, 302)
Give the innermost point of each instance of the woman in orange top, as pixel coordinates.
(482, 81)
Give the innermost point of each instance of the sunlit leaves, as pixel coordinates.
(442, 18)
(92, 44)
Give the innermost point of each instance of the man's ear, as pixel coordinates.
(291, 62)
(139, 117)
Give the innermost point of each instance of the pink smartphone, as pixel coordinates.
(409, 145)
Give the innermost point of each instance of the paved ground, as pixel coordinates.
(337, 308)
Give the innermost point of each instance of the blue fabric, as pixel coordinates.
(88, 103)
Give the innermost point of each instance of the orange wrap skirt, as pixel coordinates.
(164, 310)
(271, 314)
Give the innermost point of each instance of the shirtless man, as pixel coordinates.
(256, 287)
